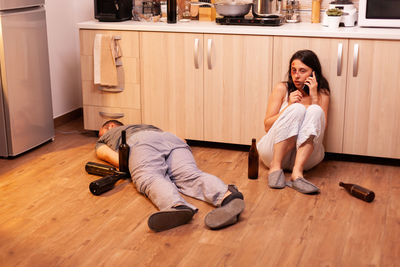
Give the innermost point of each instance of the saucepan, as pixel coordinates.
(228, 8)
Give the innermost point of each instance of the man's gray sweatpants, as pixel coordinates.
(162, 165)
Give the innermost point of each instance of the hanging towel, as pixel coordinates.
(106, 51)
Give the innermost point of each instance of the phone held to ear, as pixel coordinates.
(306, 88)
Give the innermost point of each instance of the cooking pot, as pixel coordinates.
(229, 9)
(264, 8)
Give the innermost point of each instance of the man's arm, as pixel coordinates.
(105, 153)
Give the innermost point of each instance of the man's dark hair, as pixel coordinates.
(112, 121)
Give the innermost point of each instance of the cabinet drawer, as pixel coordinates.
(95, 95)
(129, 41)
(94, 116)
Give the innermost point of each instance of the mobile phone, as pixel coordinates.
(306, 89)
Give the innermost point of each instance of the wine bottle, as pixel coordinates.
(123, 154)
(359, 191)
(101, 169)
(253, 160)
(171, 11)
(105, 184)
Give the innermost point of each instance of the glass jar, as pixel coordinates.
(163, 5)
(186, 16)
(292, 11)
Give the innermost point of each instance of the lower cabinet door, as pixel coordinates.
(237, 82)
(172, 82)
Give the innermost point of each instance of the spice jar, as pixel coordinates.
(292, 11)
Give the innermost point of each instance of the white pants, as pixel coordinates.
(296, 120)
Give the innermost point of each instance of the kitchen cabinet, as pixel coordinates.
(210, 87)
(332, 54)
(122, 102)
(372, 120)
(172, 82)
(237, 78)
(215, 87)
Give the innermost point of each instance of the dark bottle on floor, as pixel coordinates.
(253, 160)
(101, 169)
(359, 191)
(171, 11)
(123, 154)
(105, 184)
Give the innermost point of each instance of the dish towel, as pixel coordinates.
(106, 52)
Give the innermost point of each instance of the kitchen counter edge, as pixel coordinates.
(302, 29)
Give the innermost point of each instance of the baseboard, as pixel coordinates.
(72, 115)
(362, 159)
(228, 146)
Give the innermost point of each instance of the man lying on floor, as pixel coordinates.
(162, 165)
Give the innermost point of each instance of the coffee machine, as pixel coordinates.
(350, 14)
(113, 10)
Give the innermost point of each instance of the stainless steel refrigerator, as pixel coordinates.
(26, 115)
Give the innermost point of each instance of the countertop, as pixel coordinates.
(304, 29)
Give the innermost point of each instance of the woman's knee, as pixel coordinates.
(296, 110)
(315, 114)
(315, 110)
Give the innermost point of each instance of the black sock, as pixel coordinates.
(234, 194)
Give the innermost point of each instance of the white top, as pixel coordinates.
(302, 29)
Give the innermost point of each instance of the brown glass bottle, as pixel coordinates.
(359, 191)
(105, 184)
(101, 169)
(123, 154)
(253, 160)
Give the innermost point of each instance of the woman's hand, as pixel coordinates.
(295, 97)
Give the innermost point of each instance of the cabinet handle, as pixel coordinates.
(339, 59)
(355, 60)
(209, 48)
(111, 89)
(196, 53)
(111, 115)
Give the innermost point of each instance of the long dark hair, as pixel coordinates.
(310, 59)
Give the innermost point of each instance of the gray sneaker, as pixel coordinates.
(303, 186)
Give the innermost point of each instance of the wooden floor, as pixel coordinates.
(48, 217)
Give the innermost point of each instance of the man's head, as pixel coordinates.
(109, 125)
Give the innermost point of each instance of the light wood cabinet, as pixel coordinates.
(372, 121)
(237, 78)
(123, 102)
(332, 54)
(172, 82)
(215, 87)
(206, 87)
